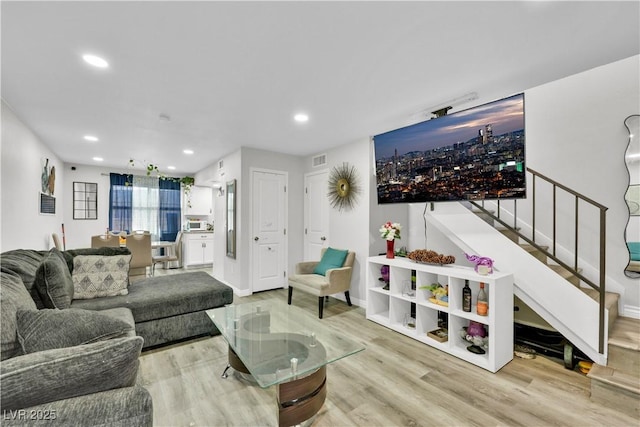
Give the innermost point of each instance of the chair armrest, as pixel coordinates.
(339, 279)
(306, 267)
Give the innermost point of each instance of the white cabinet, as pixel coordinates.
(390, 307)
(198, 249)
(201, 201)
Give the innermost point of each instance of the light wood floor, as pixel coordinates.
(396, 381)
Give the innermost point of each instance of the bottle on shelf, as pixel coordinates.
(466, 297)
(482, 306)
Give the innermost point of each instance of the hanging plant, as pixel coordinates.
(343, 187)
(187, 183)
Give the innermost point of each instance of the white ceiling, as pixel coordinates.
(232, 74)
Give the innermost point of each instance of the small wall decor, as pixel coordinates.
(343, 187)
(48, 178)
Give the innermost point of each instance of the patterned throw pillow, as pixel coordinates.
(97, 276)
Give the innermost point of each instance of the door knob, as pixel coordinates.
(256, 238)
(323, 238)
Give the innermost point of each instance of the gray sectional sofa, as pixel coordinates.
(74, 361)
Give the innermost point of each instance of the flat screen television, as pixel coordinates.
(474, 154)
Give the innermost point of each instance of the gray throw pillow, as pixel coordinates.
(53, 281)
(45, 329)
(51, 375)
(97, 276)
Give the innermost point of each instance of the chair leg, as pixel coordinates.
(320, 306)
(346, 295)
(290, 293)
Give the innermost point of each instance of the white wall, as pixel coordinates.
(349, 229)
(576, 135)
(78, 232)
(23, 154)
(237, 272)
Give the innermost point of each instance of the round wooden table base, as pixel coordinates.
(299, 399)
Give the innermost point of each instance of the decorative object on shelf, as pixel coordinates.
(426, 256)
(409, 321)
(407, 289)
(390, 231)
(343, 187)
(440, 335)
(476, 334)
(484, 265)
(384, 271)
(440, 294)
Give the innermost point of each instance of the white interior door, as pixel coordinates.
(316, 215)
(269, 230)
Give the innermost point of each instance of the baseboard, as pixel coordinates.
(631, 311)
(236, 291)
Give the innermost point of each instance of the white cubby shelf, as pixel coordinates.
(389, 307)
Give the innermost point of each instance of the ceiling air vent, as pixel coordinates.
(319, 160)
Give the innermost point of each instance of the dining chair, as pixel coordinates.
(171, 253)
(56, 241)
(140, 247)
(102, 240)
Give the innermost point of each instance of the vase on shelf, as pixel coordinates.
(390, 252)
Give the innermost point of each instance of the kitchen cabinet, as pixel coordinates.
(198, 249)
(201, 201)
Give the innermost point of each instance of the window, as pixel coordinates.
(145, 203)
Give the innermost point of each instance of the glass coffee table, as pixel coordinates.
(286, 346)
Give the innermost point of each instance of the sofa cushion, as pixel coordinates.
(332, 258)
(121, 407)
(13, 297)
(24, 263)
(62, 373)
(166, 296)
(40, 330)
(97, 276)
(53, 281)
(70, 254)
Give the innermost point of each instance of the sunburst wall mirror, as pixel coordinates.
(343, 187)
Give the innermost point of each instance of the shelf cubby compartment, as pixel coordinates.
(399, 309)
(425, 279)
(398, 279)
(378, 307)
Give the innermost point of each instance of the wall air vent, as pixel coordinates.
(319, 160)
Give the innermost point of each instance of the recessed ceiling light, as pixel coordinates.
(96, 61)
(301, 118)
(98, 159)
(91, 138)
(187, 151)
(171, 167)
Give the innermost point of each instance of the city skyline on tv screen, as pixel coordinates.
(474, 154)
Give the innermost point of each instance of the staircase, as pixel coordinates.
(617, 384)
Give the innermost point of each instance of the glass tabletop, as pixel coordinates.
(278, 342)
